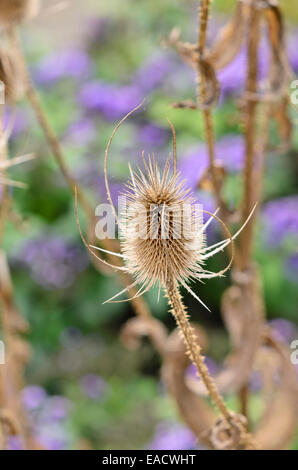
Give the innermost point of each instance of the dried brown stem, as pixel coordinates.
(249, 198)
(192, 347)
(201, 96)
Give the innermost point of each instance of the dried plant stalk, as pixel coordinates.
(250, 133)
(139, 304)
(192, 347)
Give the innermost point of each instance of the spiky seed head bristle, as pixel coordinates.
(10, 74)
(16, 11)
(168, 241)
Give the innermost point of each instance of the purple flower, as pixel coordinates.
(172, 437)
(229, 153)
(53, 439)
(256, 381)
(81, 132)
(110, 100)
(292, 50)
(17, 119)
(53, 262)
(193, 166)
(150, 134)
(92, 386)
(33, 397)
(291, 267)
(56, 408)
(152, 73)
(64, 64)
(281, 219)
(283, 330)
(232, 77)
(15, 443)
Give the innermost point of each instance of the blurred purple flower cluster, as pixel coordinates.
(283, 330)
(172, 437)
(48, 417)
(81, 132)
(74, 63)
(115, 100)
(232, 77)
(92, 386)
(291, 267)
(229, 153)
(52, 261)
(281, 220)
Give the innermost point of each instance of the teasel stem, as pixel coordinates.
(5, 199)
(249, 197)
(193, 349)
(139, 304)
(34, 100)
(194, 352)
(204, 9)
(11, 413)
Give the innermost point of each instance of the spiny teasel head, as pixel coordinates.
(161, 229)
(13, 12)
(10, 73)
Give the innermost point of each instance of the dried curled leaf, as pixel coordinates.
(190, 54)
(230, 39)
(279, 74)
(208, 79)
(280, 112)
(137, 328)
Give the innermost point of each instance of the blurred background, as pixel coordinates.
(93, 62)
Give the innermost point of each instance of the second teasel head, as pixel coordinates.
(10, 76)
(13, 12)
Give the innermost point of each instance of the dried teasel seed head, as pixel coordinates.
(159, 240)
(16, 11)
(10, 76)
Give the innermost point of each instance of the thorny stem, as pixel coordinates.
(249, 197)
(193, 349)
(201, 94)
